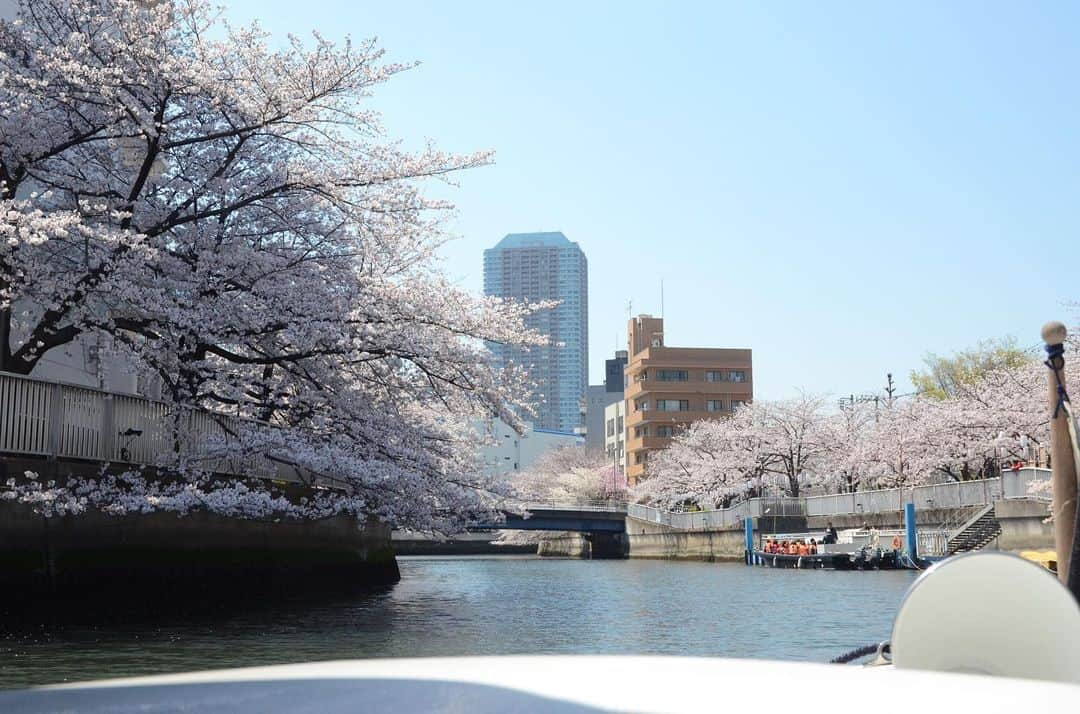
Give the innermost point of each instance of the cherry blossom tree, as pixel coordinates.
(233, 219)
(989, 419)
(715, 461)
(568, 474)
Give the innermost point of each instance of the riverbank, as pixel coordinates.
(164, 553)
(464, 544)
(1022, 521)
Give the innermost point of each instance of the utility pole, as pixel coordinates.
(890, 389)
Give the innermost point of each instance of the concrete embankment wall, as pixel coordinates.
(1022, 528)
(97, 552)
(595, 546)
(459, 546)
(652, 540)
(927, 517)
(1022, 525)
(573, 545)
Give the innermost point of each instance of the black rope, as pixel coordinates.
(856, 654)
(1052, 352)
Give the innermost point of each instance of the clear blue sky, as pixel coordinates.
(841, 187)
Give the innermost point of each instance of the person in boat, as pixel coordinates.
(802, 548)
(794, 549)
(813, 546)
(875, 540)
(830, 534)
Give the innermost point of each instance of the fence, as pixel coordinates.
(943, 495)
(1011, 484)
(56, 420)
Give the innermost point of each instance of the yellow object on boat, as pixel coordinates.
(1045, 558)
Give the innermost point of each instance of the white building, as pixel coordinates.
(597, 400)
(614, 444)
(512, 452)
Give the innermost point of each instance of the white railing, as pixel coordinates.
(64, 421)
(943, 495)
(1011, 484)
(567, 504)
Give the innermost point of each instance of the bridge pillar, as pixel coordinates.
(608, 546)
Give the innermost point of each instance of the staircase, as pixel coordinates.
(976, 533)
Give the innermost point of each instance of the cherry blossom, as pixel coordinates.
(233, 221)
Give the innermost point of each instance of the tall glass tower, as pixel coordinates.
(547, 266)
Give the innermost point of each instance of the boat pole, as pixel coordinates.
(910, 532)
(749, 526)
(1063, 465)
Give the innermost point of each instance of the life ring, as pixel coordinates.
(896, 543)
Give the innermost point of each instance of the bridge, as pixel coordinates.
(576, 516)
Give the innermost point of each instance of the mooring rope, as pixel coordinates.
(860, 652)
(1063, 402)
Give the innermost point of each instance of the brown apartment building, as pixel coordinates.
(669, 387)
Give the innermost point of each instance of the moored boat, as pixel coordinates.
(861, 559)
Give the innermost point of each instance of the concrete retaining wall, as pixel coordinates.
(932, 518)
(652, 540)
(1022, 526)
(96, 552)
(573, 545)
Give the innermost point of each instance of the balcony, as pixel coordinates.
(652, 416)
(708, 390)
(637, 443)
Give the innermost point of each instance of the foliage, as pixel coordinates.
(948, 376)
(995, 416)
(231, 219)
(568, 474)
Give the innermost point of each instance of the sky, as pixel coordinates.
(843, 188)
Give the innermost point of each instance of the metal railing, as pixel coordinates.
(563, 504)
(65, 421)
(1011, 484)
(944, 495)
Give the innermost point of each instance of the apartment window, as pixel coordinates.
(640, 431)
(611, 427)
(714, 375)
(736, 403)
(665, 430)
(619, 428)
(736, 375)
(714, 405)
(641, 405)
(672, 375)
(643, 376)
(673, 405)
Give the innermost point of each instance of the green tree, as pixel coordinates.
(944, 377)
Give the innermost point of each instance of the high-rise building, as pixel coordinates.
(669, 387)
(613, 372)
(539, 267)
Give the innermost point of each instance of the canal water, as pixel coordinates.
(483, 606)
